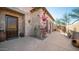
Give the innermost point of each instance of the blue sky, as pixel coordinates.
(58, 12)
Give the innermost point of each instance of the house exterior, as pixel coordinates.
(35, 22)
(28, 18)
(17, 21)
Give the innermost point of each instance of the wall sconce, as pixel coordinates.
(29, 21)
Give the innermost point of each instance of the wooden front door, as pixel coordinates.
(11, 26)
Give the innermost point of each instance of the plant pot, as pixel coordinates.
(75, 43)
(21, 34)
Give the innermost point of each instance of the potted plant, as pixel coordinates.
(21, 34)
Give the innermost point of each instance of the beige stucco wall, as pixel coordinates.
(28, 16)
(74, 27)
(35, 22)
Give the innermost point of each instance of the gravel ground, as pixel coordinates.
(54, 42)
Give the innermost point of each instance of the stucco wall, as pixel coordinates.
(28, 16)
(75, 28)
(35, 22)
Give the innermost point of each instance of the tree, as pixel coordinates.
(58, 22)
(66, 19)
(75, 14)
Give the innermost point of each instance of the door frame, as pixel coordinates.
(6, 24)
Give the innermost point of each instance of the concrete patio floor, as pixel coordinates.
(54, 42)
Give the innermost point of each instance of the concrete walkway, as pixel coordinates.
(54, 42)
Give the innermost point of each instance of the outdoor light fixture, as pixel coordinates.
(29, 21)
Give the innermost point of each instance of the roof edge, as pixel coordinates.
(37, 8)
(14, 9)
